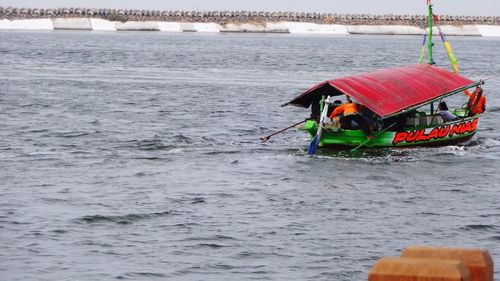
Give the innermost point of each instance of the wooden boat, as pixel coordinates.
(397, 96)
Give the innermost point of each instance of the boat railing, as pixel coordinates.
(427, 120)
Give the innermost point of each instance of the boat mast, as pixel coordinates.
(430, 21)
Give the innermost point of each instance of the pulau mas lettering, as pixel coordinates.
(436, 133)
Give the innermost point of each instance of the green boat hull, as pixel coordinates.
(436, 135)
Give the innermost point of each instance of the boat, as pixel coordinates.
(403, 101)
(397, 96)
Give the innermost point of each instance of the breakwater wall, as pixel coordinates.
(252, 22)
(97, 24)
(225, 17)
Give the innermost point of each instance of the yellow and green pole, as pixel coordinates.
(422, 53)
(449, 51)
(430, 19)
(447, 46)
(430, 23)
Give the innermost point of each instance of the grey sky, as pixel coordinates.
(450, 7)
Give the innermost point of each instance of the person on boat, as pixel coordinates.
(335, 122)
(348, 112)
(443, 112)
(395, 123)
(334, 105)
(477, 102)
(370, 117)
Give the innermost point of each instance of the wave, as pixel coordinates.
(173, 144)
(488, 142)
(217, 237)
(493, 109)
(153, 144)
(495, 237)
(71, 134)
(478, 227)
(210, 245)
(122, 219)
(142, 275)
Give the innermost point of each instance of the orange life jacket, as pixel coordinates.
(346, 109)
(477, 102)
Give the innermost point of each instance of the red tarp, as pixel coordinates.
(390, 90)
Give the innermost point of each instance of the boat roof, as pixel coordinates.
(390, 91)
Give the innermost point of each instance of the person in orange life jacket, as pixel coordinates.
(335, 122)
(334, 105)
(477, 102)
(349, 112)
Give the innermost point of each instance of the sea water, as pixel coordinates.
(136, 156)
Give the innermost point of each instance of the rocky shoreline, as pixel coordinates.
(240, 17)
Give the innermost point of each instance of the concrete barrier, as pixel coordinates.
(270, 27)
(206, 27)
(137, 26)
(253, 28)
(4, 24)
(332, 29)
(457, 30)
(245, 27)
(301, 27)
(187, 27)
(489, 30)
(102, 25)
(31, 24)
(169, 26)
(384, 30)
(230, 27)
(276, 27)
(313, 28)
(71, 24)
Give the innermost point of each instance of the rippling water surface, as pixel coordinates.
(136, 156)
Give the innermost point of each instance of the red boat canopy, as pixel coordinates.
(390, 90)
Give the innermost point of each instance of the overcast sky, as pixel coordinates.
(450, 7)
